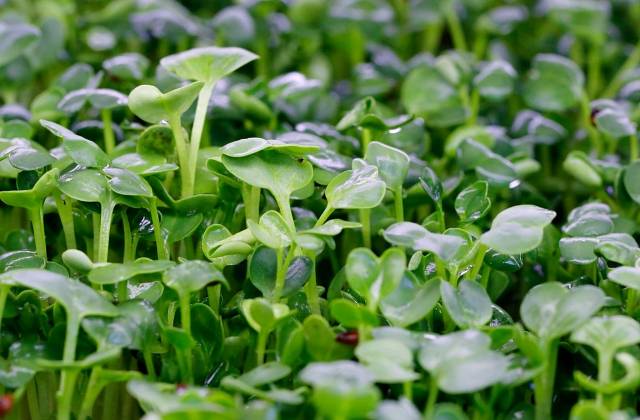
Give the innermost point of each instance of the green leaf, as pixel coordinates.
(359, 188)
(87, 185)
(411, 301)
(607, 334)
(554, 83)
(428, 94)
(469, 306)
(400, 409)
(98, 98)
(342, 388)
(125, 182)
(479, 134)
(76, 297)
(128, 66)
(578, 250)
(496, 80)
(626, 276)
(263, 272)
(392, 164)
(431, 184)
(362, 270)
(15, 39)
(473, 373)
(265, 374)
(615, 123)
(34, 197)
(153, 106)
(333, 227)
(389, 360)
(374, 278)
(462, 362)
(262, 315)
(418, 238)
(77, 260)
(351, 314)
(84, 152)
(30, 158)
(473, 202)
(284, 396)
(279, 173)
(192, 276)
(551, 311)
(114, 273)
(207, 64)
(249, 146)
(518, 229)
(272, 230)
(578, 165)
(488, 165)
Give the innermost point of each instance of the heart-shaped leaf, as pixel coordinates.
(469, 305)
(207, 64)
(359, 188)
(153, 106)
(418, 238)
(551, 311)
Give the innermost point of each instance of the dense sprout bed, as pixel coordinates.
(330, 209)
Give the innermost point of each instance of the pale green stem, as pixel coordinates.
(366, 139)
(161, 248)
(185, 321)
(261, 346)
(66, 393)
(593, 63)
(93, 390)
(126, 234)
(281, 273)
(543, 383)
(398, 204)
(365, 221)
(68, 379)
(32, 400)
(457, 34)
(480, 43)
(95, 222)
(632, 62)
(285, 210)
(213, 293)
(474, 104)
(324, 216)
(65, 212)
(604, 372)
(594, 136)
(310, 288)
(633, 148)
(441, 221)
(4, 292)
(37, 221)
(106, 214)
(431, 401)
(251, 199)
(185, 312)
(431, 36)
(107, 128)
(183, 156)
(477, 262)
(198, 126)
(148, 362)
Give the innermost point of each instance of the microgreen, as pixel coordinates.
(310, 209)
